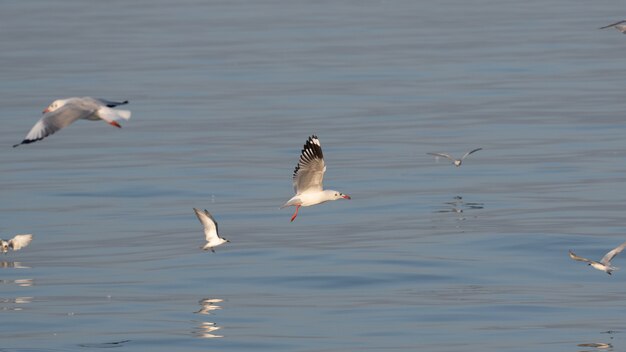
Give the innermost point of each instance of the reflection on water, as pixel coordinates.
(105, 344)
(19, 282)
(16, 265)
(12, 303)
(596, 345)
(458, 206)
(205, 329)
(208, 305)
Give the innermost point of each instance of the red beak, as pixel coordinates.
(45, 110)
(345, 196)
(113, 123)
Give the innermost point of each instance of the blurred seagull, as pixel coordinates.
(456, 162)
(63, 112)
(210, 230)
(16, 243)
(618, 25)
(308, 177)
(605, 262)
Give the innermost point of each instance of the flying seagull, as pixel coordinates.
(16, 243)
(605, 263)
(63, 112)
(210, 230)
(456, 162)
(618, 25)
(308, 177)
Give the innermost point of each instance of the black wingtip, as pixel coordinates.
(27, 141)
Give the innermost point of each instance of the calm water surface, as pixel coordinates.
(224, 93)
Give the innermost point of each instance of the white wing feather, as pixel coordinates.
(209, 224)
(20, 241)
(606, 260)
(442, 155)
(309, 173)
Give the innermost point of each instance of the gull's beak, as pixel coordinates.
(45, 110)
(345, 196)
(113, 123)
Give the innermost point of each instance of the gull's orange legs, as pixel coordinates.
(296, 213)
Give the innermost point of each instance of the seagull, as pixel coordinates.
(618, 25)
(456, 162)
(210, 230)
(16, 243)
(308, 177)
(605, 262)
(63, 112)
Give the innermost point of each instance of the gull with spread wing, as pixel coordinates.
(16, 243)
(456, 162)
(618, 25)
(308, 177)
(210, 230)
(63, 112)
(605, 263)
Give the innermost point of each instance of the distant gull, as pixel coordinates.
(16, 243)
(308, 177)
(618, 25)
(210, 230)
(605, 262)
(456, 162)
(63, 112)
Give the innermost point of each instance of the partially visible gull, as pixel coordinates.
(605, 263)
(16, 243)
(618, 25)
(456, 162)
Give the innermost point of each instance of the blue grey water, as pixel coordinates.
(425, 256)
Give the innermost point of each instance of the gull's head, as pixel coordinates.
(339, 195)
(5, 246)
(55, 105)
(457, 163)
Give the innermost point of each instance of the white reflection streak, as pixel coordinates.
(205, 329)
(14, 301)
(208, 305)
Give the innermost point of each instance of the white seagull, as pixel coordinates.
(16, 243)
(605, 263)
(456, 162)
(308, 177)
(63, 112)
(618, 25)
(210, 230)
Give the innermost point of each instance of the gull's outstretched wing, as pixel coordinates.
(471, 152)
(209, 224)
(55, 120)
(309, 173)
(580, 259)
(20, 241)
(606, 260)
(613, 24)
(442, 155)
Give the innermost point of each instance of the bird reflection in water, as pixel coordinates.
(206, 329)
(459, 206)
(15, 265)
(596, 346)
(14, 304)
